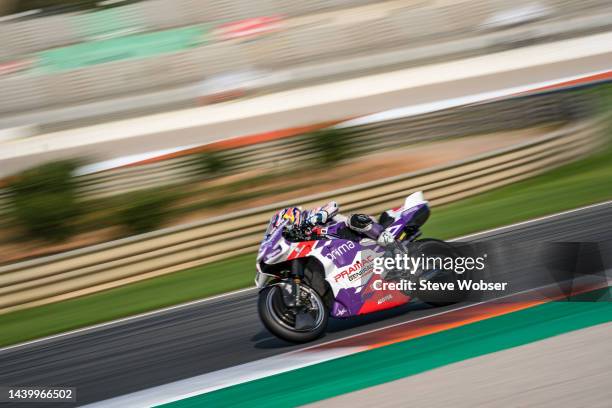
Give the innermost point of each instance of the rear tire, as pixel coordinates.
(437, 248)
(277, 317)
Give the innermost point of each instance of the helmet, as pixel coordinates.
(292, 214)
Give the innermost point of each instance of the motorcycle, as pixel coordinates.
(307, 275)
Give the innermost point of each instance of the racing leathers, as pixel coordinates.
(361, 223)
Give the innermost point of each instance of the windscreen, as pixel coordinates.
(275, 222)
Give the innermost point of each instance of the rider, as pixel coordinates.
(360, 223)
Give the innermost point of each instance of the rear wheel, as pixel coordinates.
(433, 248)
(295, 323)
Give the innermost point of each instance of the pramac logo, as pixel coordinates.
(357, 270)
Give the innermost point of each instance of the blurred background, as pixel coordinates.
(144, 146)
(144, 138)
(65, 64)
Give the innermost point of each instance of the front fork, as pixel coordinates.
(297, 271)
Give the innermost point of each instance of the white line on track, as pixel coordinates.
(237, 292)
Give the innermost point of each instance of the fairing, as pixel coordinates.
(348, 265)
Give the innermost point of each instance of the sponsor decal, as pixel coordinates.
(341, 311)
(356, 270)
(275, 252)
(320, 230)
(385, 299)
(341, 250)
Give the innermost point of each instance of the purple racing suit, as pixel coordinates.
(360, 223)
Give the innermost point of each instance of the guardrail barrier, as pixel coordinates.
(115, 263)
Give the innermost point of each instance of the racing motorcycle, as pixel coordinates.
(307, 276)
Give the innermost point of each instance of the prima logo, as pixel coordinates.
(341, 250)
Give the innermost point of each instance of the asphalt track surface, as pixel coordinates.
(136, 354)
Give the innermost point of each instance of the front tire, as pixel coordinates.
(279, 317)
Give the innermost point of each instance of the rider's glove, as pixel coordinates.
(385, 238)
(318, 218)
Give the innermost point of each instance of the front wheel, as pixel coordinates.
(283, 318)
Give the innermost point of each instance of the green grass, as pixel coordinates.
(127, 300)
(584, 182)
